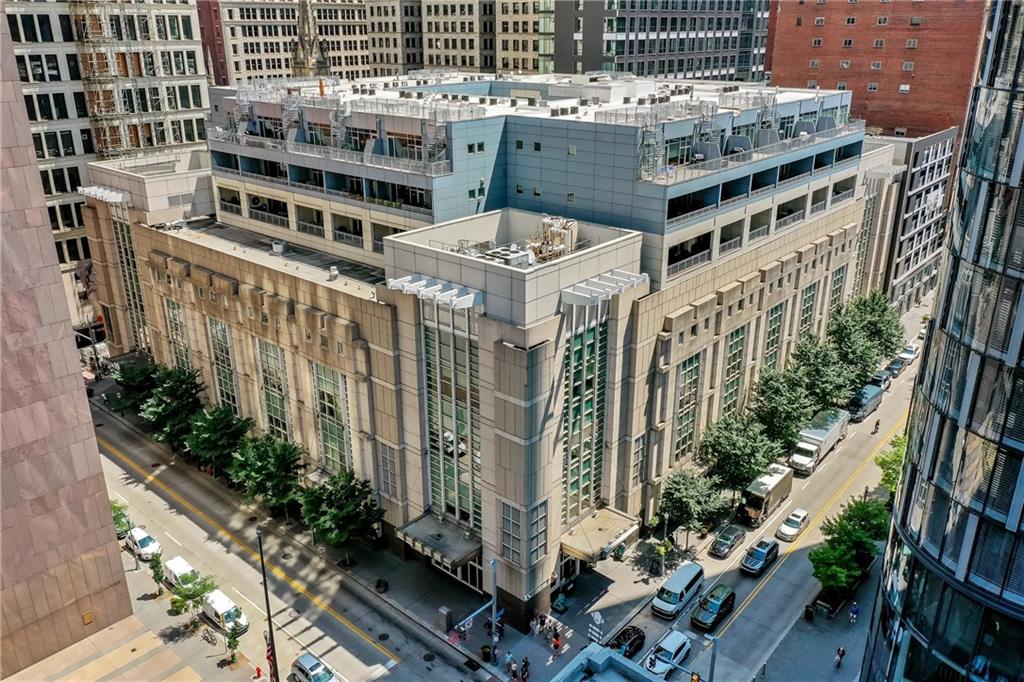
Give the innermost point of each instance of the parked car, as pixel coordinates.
(923, 333)
(669, 652)
(910, 352)
(683, 585)
(142, 544)
(882, 379)
(896, 366)
(122, 524)
(629, 641)
(224, 613)
(713, 607)
(760, 556)
(309, 668)
(727, 541)
(793, 525)
(178, 572)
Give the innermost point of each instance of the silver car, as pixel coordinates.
(309, 668)
(793, 525)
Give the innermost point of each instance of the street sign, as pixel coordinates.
(499, 614)
(598, 618)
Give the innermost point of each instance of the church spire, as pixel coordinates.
(309, 58)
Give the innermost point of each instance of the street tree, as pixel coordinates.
(835, 566)
(188, 597)
(233, 635)
(170, 407)
(216, 433)
(156, 568)
(780, 403)
(268, 468)
(136, 381)
(856, 350)
(859, 525)
(880, 321)
(822, 373)
(341, 509)
(890, 462)
(739, 451)
(689, 500)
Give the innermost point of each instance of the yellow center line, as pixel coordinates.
(294, 584)
(793, 546)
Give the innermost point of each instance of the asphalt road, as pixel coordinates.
(313, 609)
(766, 607)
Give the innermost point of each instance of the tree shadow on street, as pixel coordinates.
(172, 634)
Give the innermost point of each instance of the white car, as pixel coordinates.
(923, 333)
(142, 544)
(668, 653)
(793, 525)
(910, 352)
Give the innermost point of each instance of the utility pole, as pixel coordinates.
(274, 676)
(494, 606)
(714, 656)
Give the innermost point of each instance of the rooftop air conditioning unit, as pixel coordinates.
(482, 100)
(627, 100)
(465, 98)
(419, 95)
(513, 102)
(698, 157)
(531, 101)
(493, 100)
(553, 113)
(332, 274)
(563, 111)
(574, 110)
(278, 246)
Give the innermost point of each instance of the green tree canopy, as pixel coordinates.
(136, 381)
(859, 525)
(156, 569)
(835, 566)
(890, 462)
(170, 407)
(739, 450)
(268, 468)
(821, 371)
(779, 402)
(215, 435)
(849, 336)
(188, 597)
(690, 499)
(341, 509)
(880, 321)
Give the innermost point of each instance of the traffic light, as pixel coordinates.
(694, 677)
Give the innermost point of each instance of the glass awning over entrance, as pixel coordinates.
(596, 534)
(445, 541)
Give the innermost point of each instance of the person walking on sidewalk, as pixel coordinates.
(854, 612)
(510, 661)
(524, 669)
(840, 652)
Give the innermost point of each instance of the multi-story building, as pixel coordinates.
(395, 29)
(458, 35)
(60, 561)
(102, 79)
(715, 40)
(909, 62)
(385, 281)
(254, 39)
(950, 603)
(517, 30)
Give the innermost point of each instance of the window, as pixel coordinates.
(814, 63)
(773, 335)
(177, 334)
(912, 44)
(536, 146)
(844, 63)
(841, 85)
(850, 21)
(915, 21)
(810, 297)
(873, 87)
(816, 42)
(519, 189)
(899, 132)
(847, 42)
(536, 191)
(904, 88)
(538, 532)
(510, 532)
(812, 83)
(819, 21)
(274, 386)
(519, 144)
(688, 399)
(879, 43)
(331, 413)
(387, 465)
(876, 66)
(908, 66)
(572, 150)
(639, 458)
(735, 346)
(570, 198)
(838, 283)
(224, 382)
(883, 21)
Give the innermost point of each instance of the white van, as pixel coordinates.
(179, 572)
(685, 584)
(223, 612)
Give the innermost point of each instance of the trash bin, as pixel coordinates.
(485, 653)
(809, 612)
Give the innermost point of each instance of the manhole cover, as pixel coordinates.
(293, 614)
(429, 657)
(286, 556)
(251, 519)
(383, 637)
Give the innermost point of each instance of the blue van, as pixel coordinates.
(865, 402)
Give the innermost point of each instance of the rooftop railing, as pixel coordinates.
(842, 196)
(791, 219)
(730, 245)
(691, 262)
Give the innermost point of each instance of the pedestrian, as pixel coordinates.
(510, 661)
(840, 652)
(524, 668)
(556, 644)
(854, 612)
(513, 671)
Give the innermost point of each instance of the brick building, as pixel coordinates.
(910, 63)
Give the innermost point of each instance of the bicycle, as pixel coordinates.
(209, 636)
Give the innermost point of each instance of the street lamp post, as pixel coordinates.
(274, 677)
(494, 605)
(714, 656)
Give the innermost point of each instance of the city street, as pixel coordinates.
(313, 609)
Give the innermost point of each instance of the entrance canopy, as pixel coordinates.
(597, 534)
(445, 541)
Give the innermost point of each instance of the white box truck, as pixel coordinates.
(817, 439)
(765, 494)
(223, 612)
(179, 572)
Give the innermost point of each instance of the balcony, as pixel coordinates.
(793, 180)
(228, 207)
(688, 263)
(704, 210)
(730, 245)
(757, 233)
(398, 204)
(349, 239)
(842, 196)
(818, 207)
(314, 229)
(375, 160)
(675, 174)
(791, 219)
(378, 244)
(271, 218)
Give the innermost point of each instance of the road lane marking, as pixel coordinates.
(173, 539)
(793, 546)
(242, 595)
(123, 498)
(291, 582)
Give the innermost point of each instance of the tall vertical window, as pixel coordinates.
(332, 418)
(773, 335)
(687, 405)
(387, 469)
(639, 459)
(511, 532)
(538, 529)
(809, 298)
(583, 410)
(224, 381)
(274, 386)
(452, 396)
(128, 269)
(735, 345)
(835, 298)
(177, 333)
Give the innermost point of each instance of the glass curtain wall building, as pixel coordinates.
(951, 601)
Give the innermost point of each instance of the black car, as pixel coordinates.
(896, 367)
(629, 641)
(760, 556)
(713, 607)
(727, 541)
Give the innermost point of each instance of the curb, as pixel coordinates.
(371, 593)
